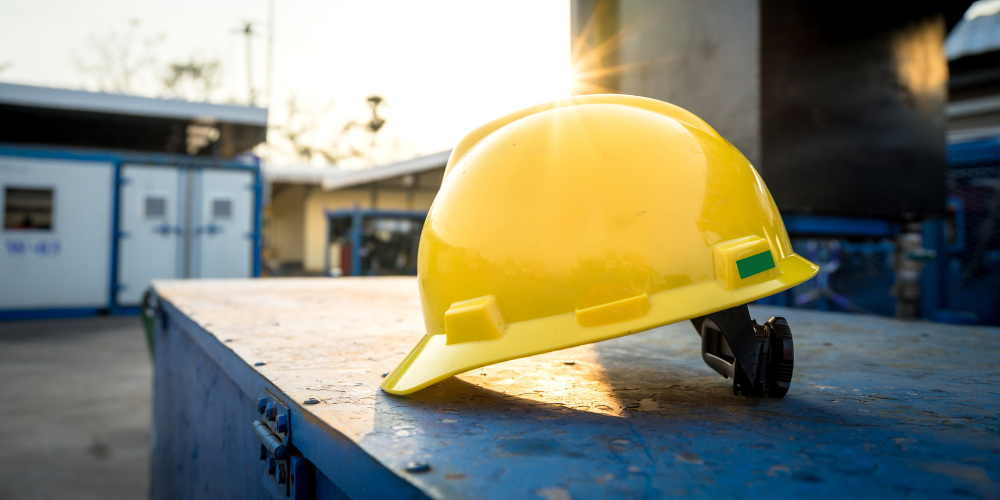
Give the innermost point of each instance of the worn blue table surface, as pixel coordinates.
(878, 408)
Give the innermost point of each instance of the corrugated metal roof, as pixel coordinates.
(336, 178)
(80, 100)
(978, 32)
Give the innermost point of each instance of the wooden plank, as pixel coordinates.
(878, 407)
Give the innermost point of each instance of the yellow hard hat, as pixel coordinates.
(586, 219)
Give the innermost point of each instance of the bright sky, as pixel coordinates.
(982, 8)
(442, 66)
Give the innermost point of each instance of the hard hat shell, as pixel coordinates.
(586, 219)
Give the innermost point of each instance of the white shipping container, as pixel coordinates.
(56, 233)
(62, 250)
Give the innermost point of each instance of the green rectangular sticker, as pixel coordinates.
(755, 264)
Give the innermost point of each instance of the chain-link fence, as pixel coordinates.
(858, 276)
(972, 234)
(855, 276)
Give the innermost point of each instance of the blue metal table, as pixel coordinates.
(878, 407)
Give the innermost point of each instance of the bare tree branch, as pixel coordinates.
(301, 135)
(193, 80)
(116, 60)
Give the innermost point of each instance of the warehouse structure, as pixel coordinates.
(103, 193)
(973, 50)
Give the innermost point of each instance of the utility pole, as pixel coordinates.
(270, 51)
(248, 36)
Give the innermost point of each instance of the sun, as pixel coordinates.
(572, 82)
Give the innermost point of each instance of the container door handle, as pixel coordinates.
(166, 229)
(210, 229)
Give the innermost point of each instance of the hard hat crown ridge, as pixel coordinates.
(585, 219)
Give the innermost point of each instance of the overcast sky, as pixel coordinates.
(443, 67)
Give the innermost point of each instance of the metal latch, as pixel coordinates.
(286, 474)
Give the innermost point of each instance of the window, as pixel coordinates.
(222, 208)
(27, 208)
(154, 207)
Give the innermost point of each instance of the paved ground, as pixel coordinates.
(75, 409)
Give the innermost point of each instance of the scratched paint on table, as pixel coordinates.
(877, 407)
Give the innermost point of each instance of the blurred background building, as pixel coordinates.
(103, 193)
(311, 215)
(973, 52)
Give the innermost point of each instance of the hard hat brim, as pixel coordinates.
(432, 360)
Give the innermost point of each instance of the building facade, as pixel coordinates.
(299, 199)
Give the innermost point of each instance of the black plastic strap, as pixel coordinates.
(737, 327)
